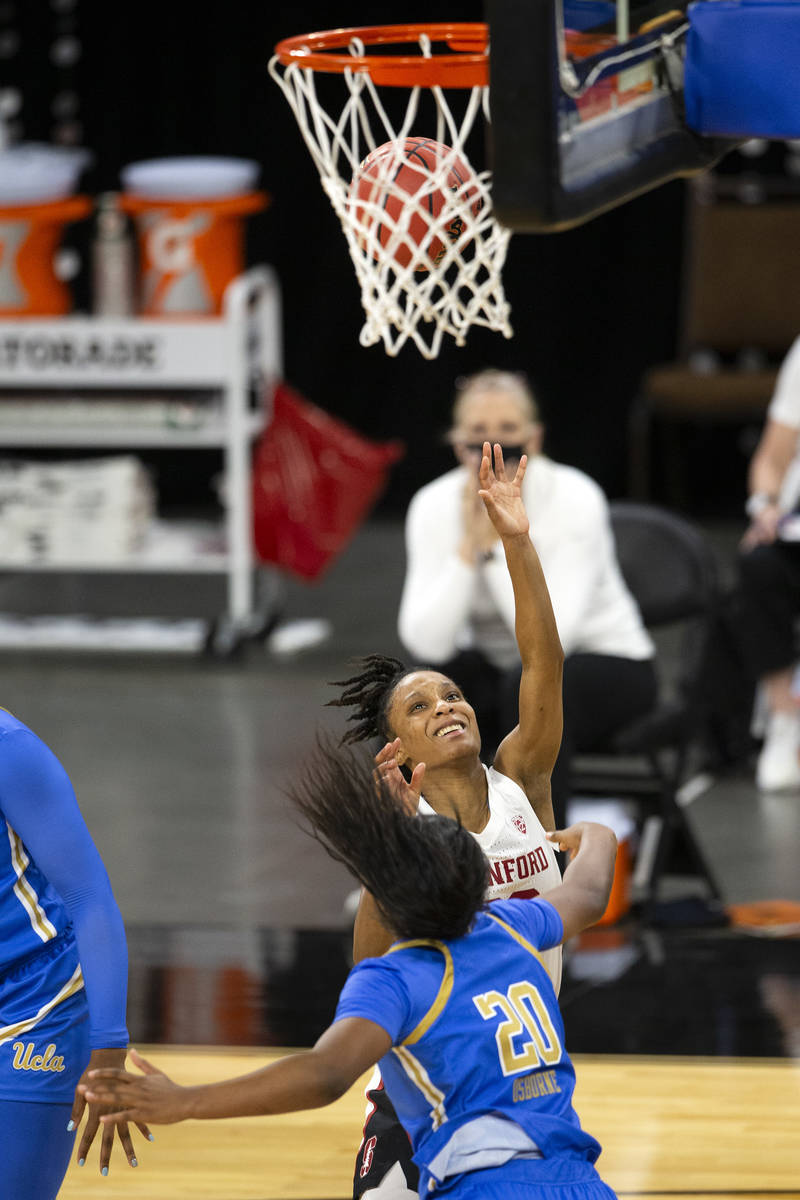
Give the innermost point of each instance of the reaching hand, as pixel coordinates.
(387, 768)
(109, 1059)
(503, 497)
(571, 838)
(151, 1096)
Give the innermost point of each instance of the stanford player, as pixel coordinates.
(430, 732)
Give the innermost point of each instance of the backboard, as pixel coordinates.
(586, 108)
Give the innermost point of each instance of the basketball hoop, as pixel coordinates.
(418, 218)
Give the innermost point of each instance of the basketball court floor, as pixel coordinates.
(687, 1037)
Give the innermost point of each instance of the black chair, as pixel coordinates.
(670, 570)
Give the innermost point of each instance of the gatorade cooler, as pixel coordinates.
(614, 814)
(188, 214)
(36, 202)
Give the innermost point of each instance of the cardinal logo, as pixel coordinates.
(367, 1156)
(520, 825)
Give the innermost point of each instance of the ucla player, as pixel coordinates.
(63, 971)
(460, 1013)
(423, 717)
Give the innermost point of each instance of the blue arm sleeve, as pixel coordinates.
(37, 800)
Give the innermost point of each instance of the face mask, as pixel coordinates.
(510, 452)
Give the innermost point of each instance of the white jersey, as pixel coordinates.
(522, 861)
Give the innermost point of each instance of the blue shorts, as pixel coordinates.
(44, 1025)
(527, 1179)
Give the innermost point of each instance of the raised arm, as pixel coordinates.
(529, 751)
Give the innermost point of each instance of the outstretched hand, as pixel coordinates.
(151, 1096)
(387, 769)
(503, 496)
(571, 839)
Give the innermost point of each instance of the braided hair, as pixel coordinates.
(427, 874)
(370, 693)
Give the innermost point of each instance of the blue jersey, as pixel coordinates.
(478, 1072)
(53, 884)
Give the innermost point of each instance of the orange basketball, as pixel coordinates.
(387, 173)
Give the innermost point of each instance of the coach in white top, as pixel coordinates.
(457, 607)
(770, 579)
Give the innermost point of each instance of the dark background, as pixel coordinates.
(592, 308)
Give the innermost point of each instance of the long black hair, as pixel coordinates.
(427, 874)
(370, 694)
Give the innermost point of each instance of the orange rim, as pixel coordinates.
(467, 65)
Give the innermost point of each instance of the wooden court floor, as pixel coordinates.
(726, 1129)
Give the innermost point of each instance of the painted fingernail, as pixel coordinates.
(104, 1171)
(81, 1161)
(150, 1137)
(134, 1162)
(70, 1126)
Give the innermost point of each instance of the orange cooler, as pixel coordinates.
(189, 220)
(37, 186)
(30, 235)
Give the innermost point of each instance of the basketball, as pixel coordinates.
(416, 169)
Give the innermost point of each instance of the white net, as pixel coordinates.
(418, 218)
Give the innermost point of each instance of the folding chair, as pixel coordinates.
(671, 573)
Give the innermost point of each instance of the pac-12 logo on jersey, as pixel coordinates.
(520, 824)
